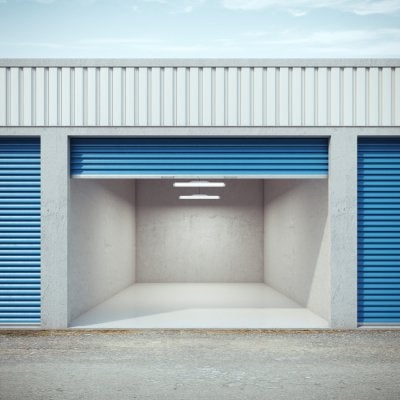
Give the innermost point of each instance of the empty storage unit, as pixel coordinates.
(193, 256)
(199, 193)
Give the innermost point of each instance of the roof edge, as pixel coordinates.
(199, 62)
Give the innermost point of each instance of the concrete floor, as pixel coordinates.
(199, 305)
(200, 365)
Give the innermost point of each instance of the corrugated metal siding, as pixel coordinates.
(19, 231)
(199, 96)
(379, 231)
(195, 156)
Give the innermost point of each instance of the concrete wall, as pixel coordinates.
(199, 241)
(297, 241)
(101, 241)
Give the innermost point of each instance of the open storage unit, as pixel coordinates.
(145, 254)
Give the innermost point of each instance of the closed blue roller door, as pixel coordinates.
(379, 231)
(198, 156)
(19, 231)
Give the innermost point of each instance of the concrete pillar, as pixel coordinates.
(54, 265)
(343, 222)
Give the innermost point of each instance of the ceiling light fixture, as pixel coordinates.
(199, 197)
(199, 184)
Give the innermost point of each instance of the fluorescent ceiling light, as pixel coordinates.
(199, 197)
(199, 184)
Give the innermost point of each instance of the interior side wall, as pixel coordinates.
(101, 241)
(296, 242)
(199, 240)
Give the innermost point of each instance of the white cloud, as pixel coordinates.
(297, 13)
(329, 38)
(342, 43)
(186, 6)
(269, 43)
(47, 45)
(119, 41)
(42, 1)
(360, 7)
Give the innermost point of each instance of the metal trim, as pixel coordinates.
(199, 62)
(94, 176)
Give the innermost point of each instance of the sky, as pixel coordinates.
(199, 28)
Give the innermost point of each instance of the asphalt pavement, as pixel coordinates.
(362, 364)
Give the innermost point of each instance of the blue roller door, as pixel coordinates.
(198, 156)
(379, 231)
(19, 231)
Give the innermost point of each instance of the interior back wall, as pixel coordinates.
(199, 240)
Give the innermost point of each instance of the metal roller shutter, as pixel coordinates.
(379, 231)
(163, 157)
(19, 231)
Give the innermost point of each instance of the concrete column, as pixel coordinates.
(343, 222)
(55, 190)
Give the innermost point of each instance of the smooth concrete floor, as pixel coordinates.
(202, 365)
(199, 305)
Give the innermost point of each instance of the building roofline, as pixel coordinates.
(200, 62)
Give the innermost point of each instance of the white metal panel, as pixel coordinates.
(258, 97)
(309, 97)
(284, 96)
(232, 97)
(190, 95)
(360, 97)
(181, 96)
(123, 96)
(373, 97)
(347, 98)
(92, 96)
(194, 97)
(130, 96)
(271, 96)
(396, 97)
(245, 96)
(13, 96)
(220, 96)
(206, 96)
(336, 90)
(104, 98)
(3, 96)
(117, 97)
(297, 97)
(53, 96)
(66, 96)
(322, 96)
(27, 103)
(386, 97)
(168, 90)
(80, 97)
(39, 97)
(155, 96)
(143, 112)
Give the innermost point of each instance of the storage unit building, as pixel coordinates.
(199, 193)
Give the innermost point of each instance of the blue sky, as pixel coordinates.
(200, 28)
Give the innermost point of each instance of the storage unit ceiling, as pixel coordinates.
(199, 93)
